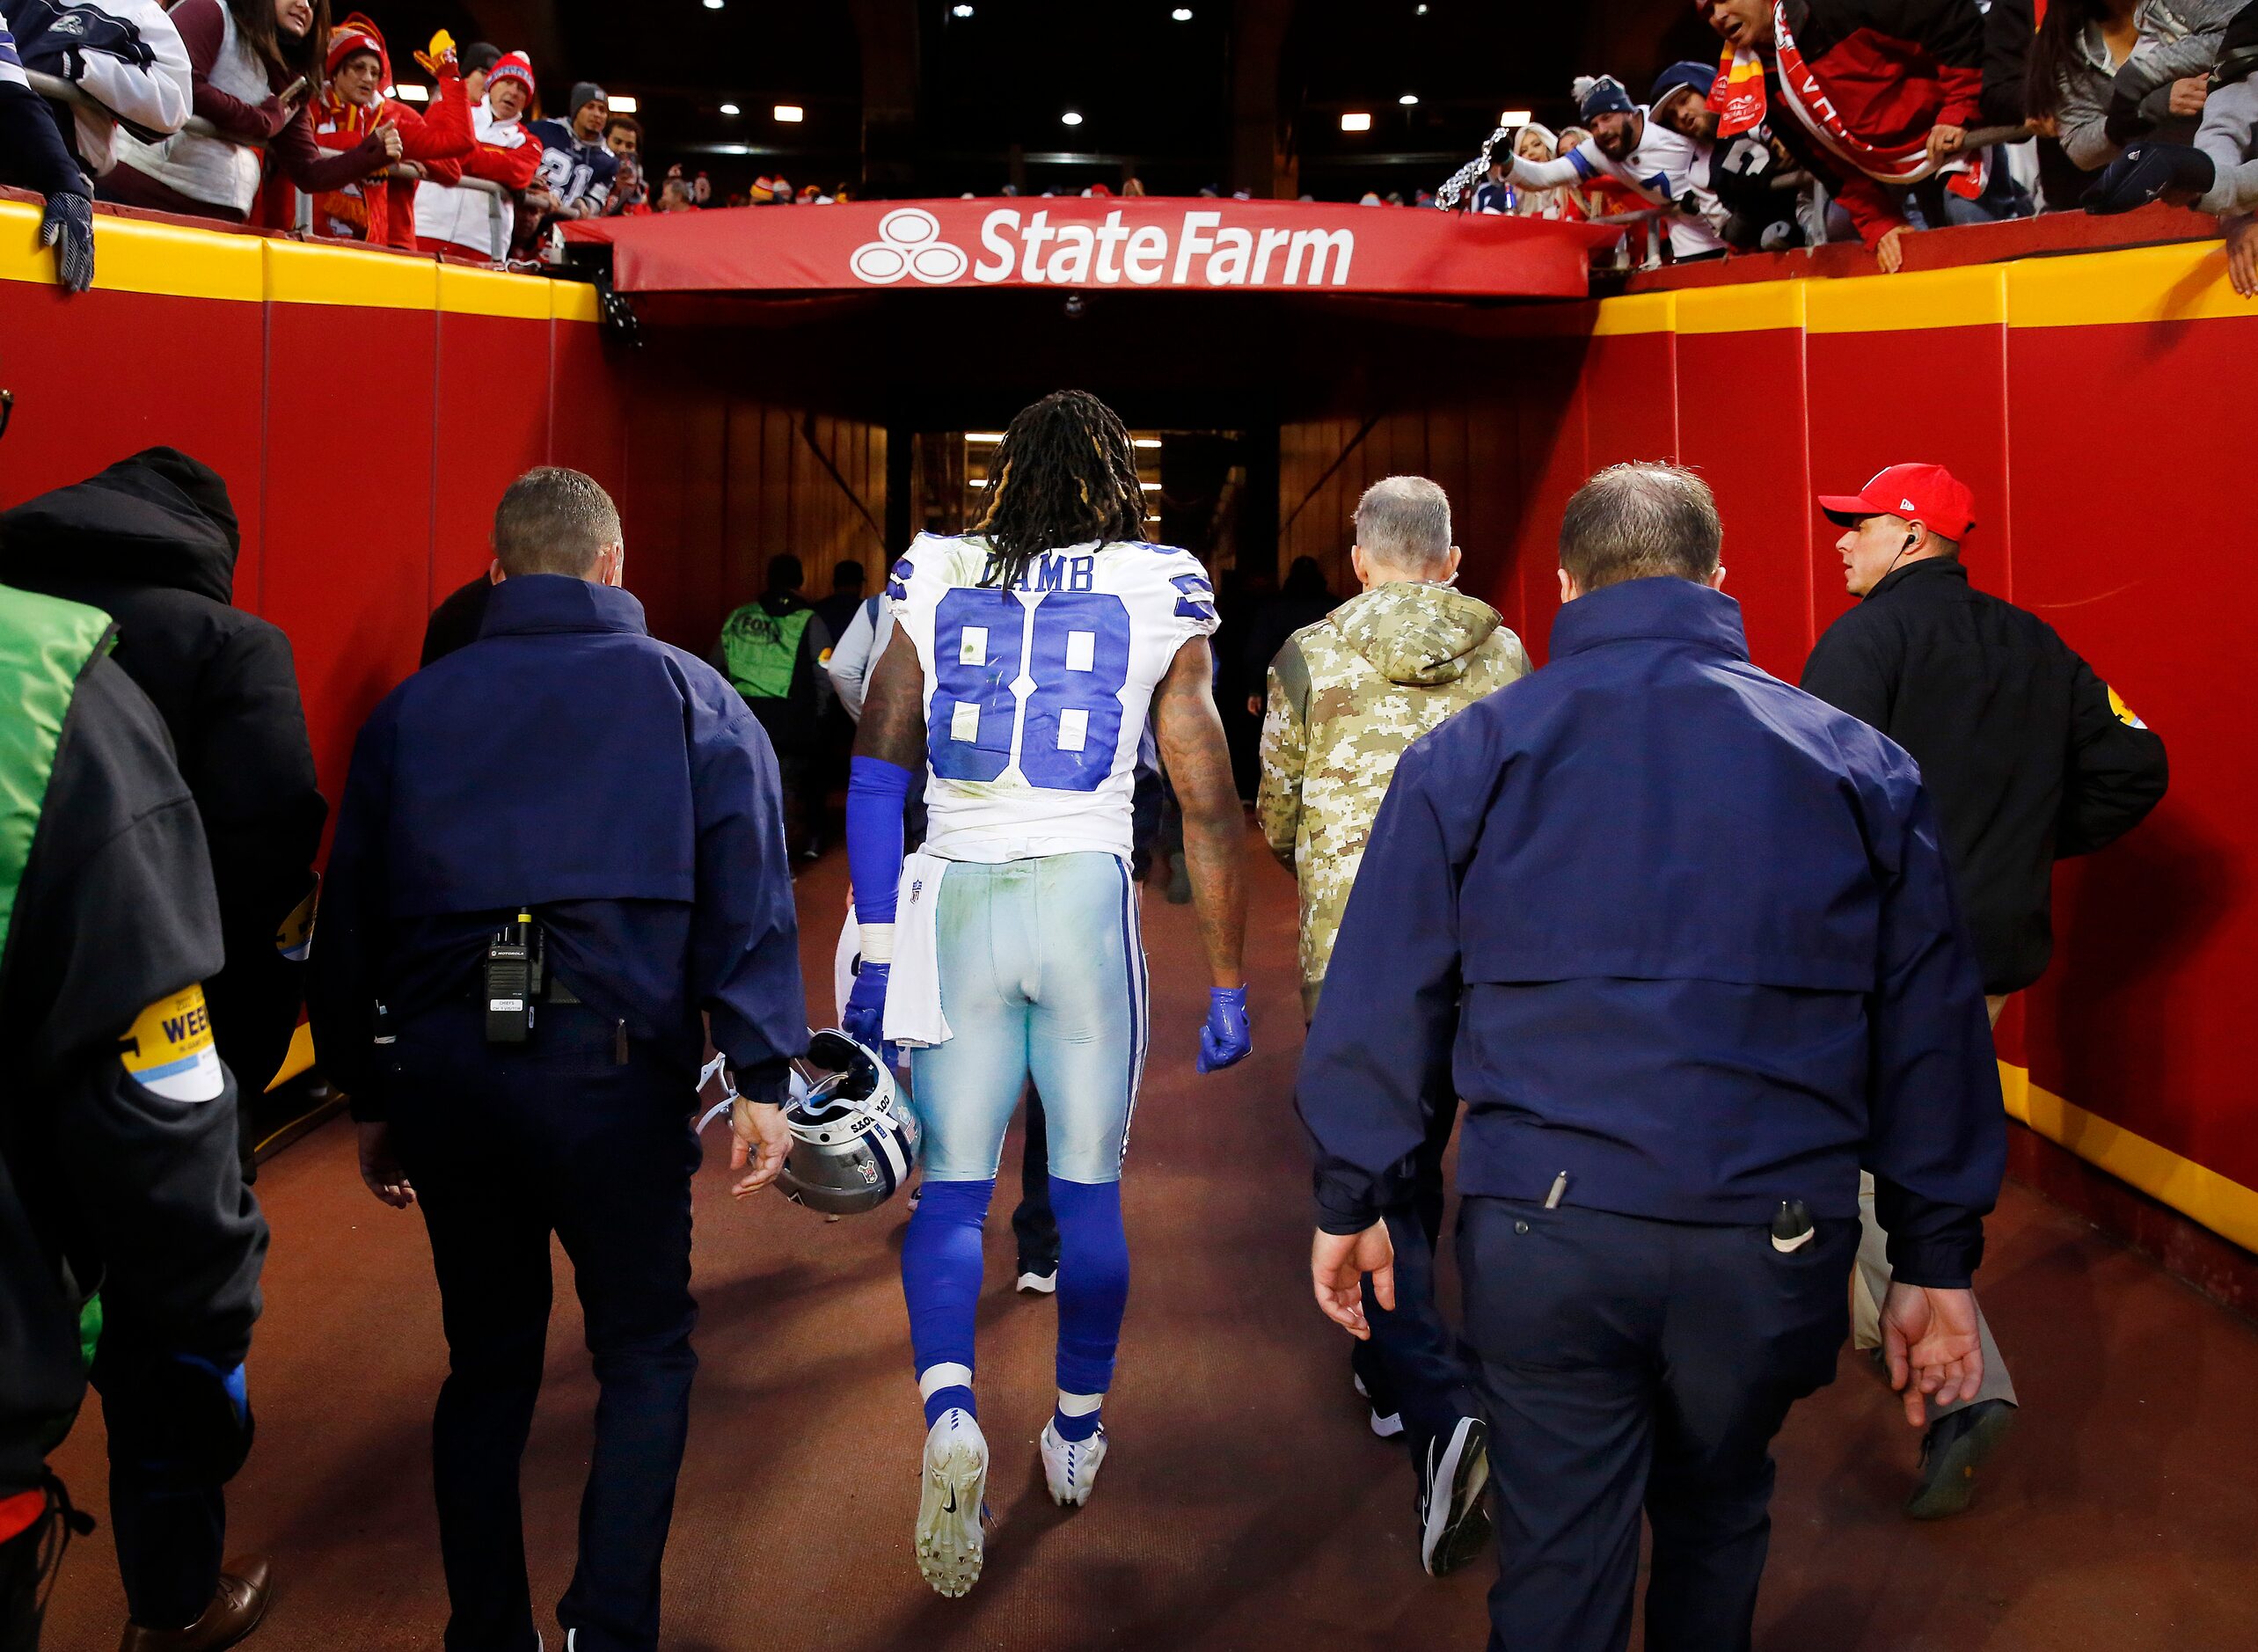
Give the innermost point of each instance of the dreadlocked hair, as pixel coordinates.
(1064, 474)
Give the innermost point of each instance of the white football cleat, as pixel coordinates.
(950, 1543)
(1070, 1467)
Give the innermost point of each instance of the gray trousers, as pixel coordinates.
(1870, 1283)
(2229, 135)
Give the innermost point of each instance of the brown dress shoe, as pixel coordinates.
(237, 1604)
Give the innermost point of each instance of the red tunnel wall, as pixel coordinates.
(719, 479)
(2130, 543)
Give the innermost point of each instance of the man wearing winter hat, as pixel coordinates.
(577, 166)
(451, 219)
(1756, 180)
(1659, 166)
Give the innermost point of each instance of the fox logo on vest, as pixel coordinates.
(170, 1049)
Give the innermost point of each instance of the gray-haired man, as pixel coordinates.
(1346, 696)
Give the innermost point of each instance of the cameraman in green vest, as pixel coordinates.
(774, 652)
(118, 1168)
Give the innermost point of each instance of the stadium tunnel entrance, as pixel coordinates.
(836, 428)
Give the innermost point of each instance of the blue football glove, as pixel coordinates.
(864, 1020)
(1225, 1040)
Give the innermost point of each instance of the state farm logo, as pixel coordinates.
(909, 244)
(1201, 250)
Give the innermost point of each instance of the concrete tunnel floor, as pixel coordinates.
(1243, 1505)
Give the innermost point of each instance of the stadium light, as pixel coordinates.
(1408, 98)
(410, 93)
(624, 105)
(713, 6)
(983, 435)
(977, 481)
(1145, 441)
(1356, 122)
(790, 113)
(961, 12)
(1516, 117)
(1072, 117)
(730, 108)
(1182, 14)
(1150, 487)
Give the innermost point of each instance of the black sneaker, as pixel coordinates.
(1454, 1521)
(1955, 1446)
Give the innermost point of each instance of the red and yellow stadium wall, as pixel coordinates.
(366, 410)
(2100, 406)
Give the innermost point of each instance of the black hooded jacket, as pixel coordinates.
(152, 541)
(2029, 756)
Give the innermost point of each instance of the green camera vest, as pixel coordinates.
(760, 649)
(46, 645)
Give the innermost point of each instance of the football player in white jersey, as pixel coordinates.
(1024, 660)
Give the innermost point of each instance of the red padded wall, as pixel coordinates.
(493, 420)
(350, 577)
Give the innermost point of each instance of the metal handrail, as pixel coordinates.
(1653, 219)
(72, 95)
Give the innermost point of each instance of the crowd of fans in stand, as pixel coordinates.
(268, 111)
(1830, 119)
(1825, 120)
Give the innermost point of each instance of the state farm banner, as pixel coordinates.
(1182, 245)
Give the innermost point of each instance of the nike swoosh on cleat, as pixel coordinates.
(950, 1507)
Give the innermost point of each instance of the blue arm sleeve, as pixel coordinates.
(877, 793)
(1378, 1052)
(744, 948)
(1937, 1134)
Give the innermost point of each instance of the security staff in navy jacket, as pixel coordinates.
(1683, 939)
(567, 766)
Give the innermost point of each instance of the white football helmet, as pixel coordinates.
(854, 1135)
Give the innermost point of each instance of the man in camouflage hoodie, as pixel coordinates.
(1346, 696)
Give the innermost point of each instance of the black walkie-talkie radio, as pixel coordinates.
(513, 980)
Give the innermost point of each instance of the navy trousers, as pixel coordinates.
(506, 1145)
(1629, 1364)
(1413, 1366)
(174, 1444)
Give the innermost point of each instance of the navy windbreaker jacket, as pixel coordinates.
(1670, 926)
(567, 762)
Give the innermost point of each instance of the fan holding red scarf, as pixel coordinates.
(353, 102)
(1881, 93)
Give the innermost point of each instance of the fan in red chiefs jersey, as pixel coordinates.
(354, 104)
(1880, 93)
(449, 218)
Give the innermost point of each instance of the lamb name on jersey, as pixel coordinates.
(1036, 696)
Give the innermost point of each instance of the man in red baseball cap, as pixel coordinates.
(2028, 756)
(1907, 510)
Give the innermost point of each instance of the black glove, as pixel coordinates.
(68, 227)
(2126, 121)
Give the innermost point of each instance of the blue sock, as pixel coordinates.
(940, 1281)
(1079, 1423)
(1093, 1275)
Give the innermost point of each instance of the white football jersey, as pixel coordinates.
(1036, 696)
